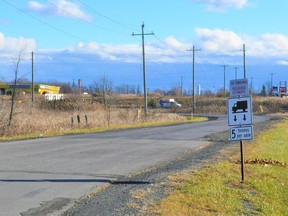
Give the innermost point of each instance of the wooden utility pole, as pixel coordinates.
(144, 65)
(244, 60)
(193, 79)
(32, 80)
(271, 87)
(236, 75)
(181, 85)
(224, 67)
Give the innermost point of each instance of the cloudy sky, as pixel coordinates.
(73, 33)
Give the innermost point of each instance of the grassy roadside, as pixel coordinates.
(101, 129)
(217, 189)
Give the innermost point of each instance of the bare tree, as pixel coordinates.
(15, 80)
(103, 88)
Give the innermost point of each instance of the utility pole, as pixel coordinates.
(236, 72)
(244, 60)
(224, 67)
(181, 85)
(193, 79)
(251, 86)
(144, 65)
(271, 90)
(32, 80)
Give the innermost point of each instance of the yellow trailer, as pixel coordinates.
(27, 88)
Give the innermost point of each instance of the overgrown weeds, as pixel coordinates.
(73, 114)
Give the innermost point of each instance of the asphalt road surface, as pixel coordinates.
(56, 171)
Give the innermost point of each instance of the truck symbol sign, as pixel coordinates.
(240, 105)
(239, 111)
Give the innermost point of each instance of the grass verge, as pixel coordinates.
(101, 129)
(218, 190)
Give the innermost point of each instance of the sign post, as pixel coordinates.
(240, 115)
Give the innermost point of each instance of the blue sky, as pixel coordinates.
(85, 39)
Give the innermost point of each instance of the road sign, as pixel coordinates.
(239, 111)
(239, 88)
(241, 133)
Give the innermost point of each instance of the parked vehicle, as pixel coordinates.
(168, 103)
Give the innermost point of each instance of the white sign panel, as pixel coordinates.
(239, 111)
(241, 133)
(239, 87)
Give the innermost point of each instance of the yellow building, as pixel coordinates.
(38, 88)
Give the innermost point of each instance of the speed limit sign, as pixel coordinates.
(241, 133)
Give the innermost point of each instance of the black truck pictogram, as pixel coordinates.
(240, 105)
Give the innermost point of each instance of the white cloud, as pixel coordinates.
(283, 62)
(38, 7)
(220, 5)
(10, 45)
(217, 40)
(123, 52)
(176, 44)
(223, 41)
(61, 8)
(217, 47)
(170, 50)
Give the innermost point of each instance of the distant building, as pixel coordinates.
(38, 88)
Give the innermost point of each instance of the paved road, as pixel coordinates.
(59, 170)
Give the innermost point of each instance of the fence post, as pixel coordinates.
(86, 119)
(78, 119)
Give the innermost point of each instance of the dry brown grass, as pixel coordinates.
(218, 105)
(61, 117)
(56, 117)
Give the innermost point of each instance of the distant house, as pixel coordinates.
(38, 88)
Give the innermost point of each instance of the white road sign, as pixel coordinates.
(241, 133)
(239, 87)
(239, 111)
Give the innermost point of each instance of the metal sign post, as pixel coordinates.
(240, 115)
(242, 160)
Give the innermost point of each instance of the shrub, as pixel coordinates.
(152, 103)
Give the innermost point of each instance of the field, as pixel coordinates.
(82, 113)
(77, 114)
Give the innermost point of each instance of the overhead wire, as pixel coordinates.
(43, 22)
(106, 17)
(83, 20)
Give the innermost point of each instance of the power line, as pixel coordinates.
(83, 20)
(43, 22)
(106, 17)
(167, 45)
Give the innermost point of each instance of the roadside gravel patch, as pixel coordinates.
(134, 194)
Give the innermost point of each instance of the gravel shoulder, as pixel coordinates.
(133, 195)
